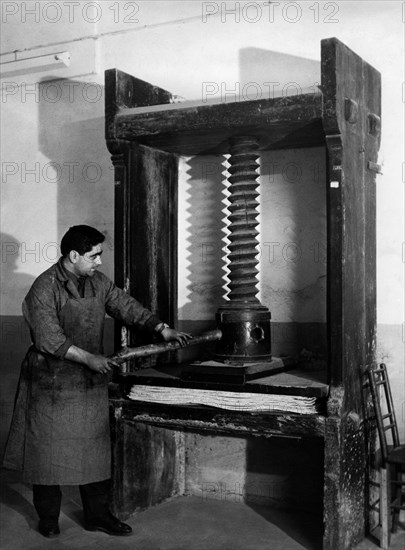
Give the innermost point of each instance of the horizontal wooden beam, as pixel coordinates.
(206, 129)
(205, 419)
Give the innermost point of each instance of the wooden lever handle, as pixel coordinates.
(154, 349)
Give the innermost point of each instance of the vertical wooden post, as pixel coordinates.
(384, 510)
(146, 267)
(152, 235)
(145, 204)
(351, 95)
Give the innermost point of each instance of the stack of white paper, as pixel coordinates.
(234, 401)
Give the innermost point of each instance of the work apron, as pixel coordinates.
(60, 432)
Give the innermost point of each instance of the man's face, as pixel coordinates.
(86, 264)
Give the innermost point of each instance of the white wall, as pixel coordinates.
(187, 47)
(291, 242)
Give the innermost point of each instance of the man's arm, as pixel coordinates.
(125, 308)
(39, 309)
(98, 363)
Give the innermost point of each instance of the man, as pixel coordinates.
(59, 434)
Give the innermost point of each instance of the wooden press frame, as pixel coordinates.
(345, 117)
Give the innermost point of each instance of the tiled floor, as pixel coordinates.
(184, 523)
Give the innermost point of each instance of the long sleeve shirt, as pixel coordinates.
(53, 288)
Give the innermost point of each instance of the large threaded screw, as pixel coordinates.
(243, 219)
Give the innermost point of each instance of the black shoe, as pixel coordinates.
(49, 529)
(110, 525)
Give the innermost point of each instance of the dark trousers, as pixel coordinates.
(95, 499)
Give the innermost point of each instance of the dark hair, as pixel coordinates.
(81, 238)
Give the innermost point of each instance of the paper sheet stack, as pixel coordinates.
(230, 400)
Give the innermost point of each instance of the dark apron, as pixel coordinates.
(60, 432)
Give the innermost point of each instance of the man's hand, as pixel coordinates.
(97, 363)
(169, 334)
(100, 364)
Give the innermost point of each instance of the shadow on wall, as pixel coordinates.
(204, 279)
(15, 338)
(287, 474)
(267, 74)
(201, 255)
(71, 136)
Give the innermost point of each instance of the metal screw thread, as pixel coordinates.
(243, 220)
